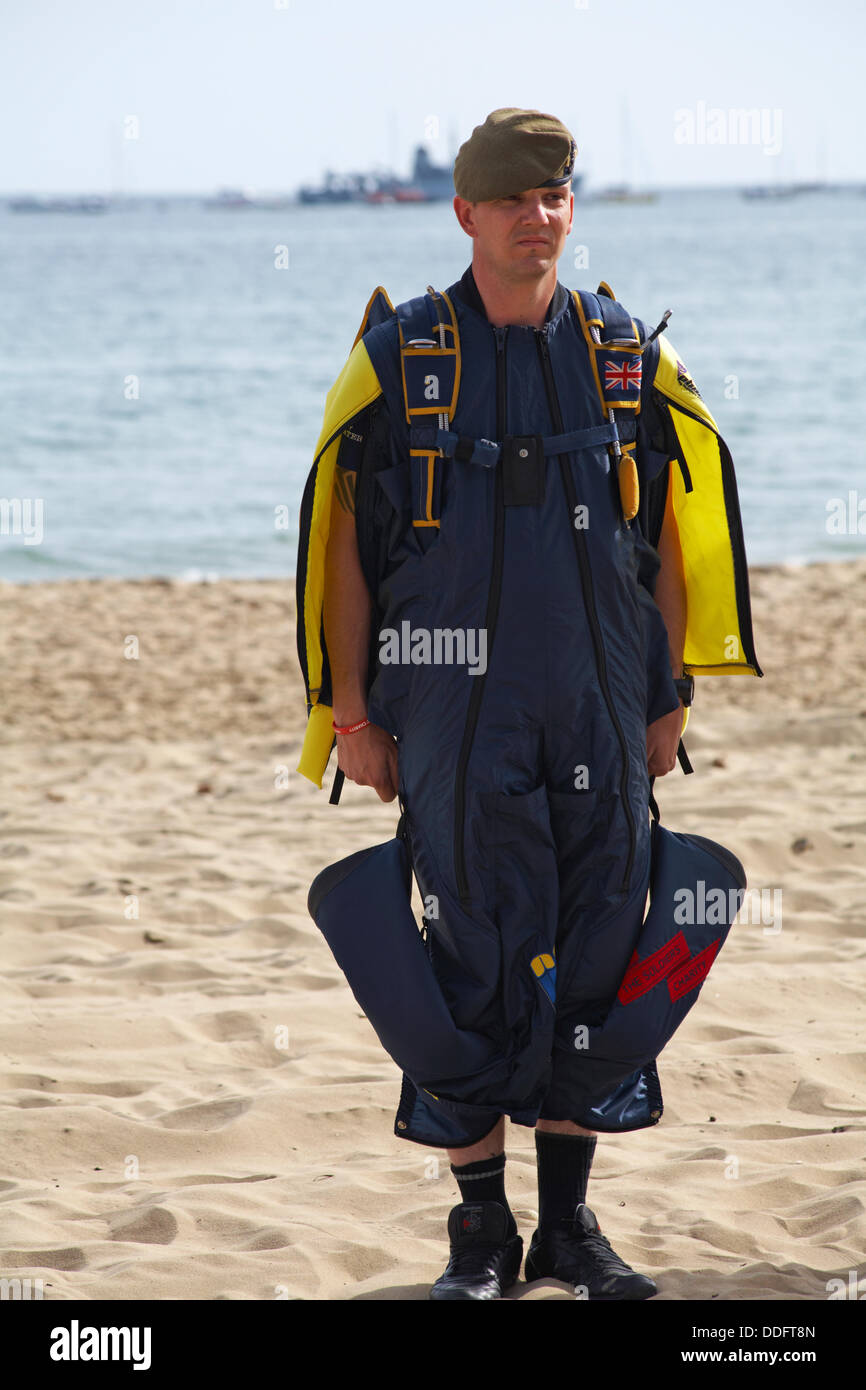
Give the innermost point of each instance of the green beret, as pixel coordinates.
(513, 151)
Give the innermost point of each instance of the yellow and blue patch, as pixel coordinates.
(544, 969)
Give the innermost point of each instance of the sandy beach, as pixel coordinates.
(193, 1105)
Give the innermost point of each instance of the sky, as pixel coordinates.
(194, 95)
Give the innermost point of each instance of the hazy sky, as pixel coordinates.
(266, 94)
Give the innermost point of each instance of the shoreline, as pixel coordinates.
(760, 567)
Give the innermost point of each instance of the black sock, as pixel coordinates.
(484, 1181)
(564, 1161)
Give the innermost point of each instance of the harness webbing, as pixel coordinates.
(487, 453)
(430, 369)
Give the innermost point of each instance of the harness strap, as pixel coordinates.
(487, 453)
(414, 319)
(609, 314)
(684, 760)
(653, 804)
(430, 371)
(615, 350)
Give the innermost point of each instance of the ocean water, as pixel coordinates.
(163, 373)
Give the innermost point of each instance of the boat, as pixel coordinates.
(783, 190)
(427, 183)
(770, 190)
(339, 188)
(232, 199)
(89, 204)
(434, 181)
(228, 200)
(623, 193)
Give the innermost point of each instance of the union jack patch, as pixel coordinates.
(622, 376)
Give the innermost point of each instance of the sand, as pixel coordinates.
(193, 1105)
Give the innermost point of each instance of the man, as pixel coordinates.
(525, 782)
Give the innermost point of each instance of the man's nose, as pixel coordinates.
(534, 210)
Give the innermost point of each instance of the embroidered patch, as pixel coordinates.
(693, 973)
(623, 374)
(351, 447)
(685, 380)
(643, 974)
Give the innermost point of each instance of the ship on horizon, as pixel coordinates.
(427, 183)
(87, 203)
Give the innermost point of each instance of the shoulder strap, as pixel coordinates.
(615, 350)
(430, 375)
(430, 370)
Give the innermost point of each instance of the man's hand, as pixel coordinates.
(369, 757)
(662, 741)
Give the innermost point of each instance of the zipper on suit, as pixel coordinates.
(493, 596)
(585, 570)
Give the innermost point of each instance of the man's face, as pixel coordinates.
(520, 237)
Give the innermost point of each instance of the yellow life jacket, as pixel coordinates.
(705, 505)
(356, 387)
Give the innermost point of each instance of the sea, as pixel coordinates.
(163, 366)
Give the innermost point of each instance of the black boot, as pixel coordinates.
(485, 1260)
(577, 1253)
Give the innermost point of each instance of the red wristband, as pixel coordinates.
(349, 728)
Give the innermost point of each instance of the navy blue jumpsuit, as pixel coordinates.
(525, 785)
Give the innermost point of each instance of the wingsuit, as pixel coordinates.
(517, 657)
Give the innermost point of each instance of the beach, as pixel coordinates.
(194, 1106)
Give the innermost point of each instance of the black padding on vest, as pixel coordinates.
(523, 470)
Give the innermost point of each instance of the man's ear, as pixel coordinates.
(464, 212)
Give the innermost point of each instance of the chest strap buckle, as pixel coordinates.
(523, 470)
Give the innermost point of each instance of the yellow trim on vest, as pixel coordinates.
(701, 516)
(317, 745)
(453, 327)
(712, 625)
(428, 519)
(667, 380)
(356, 387)
(585, 324)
